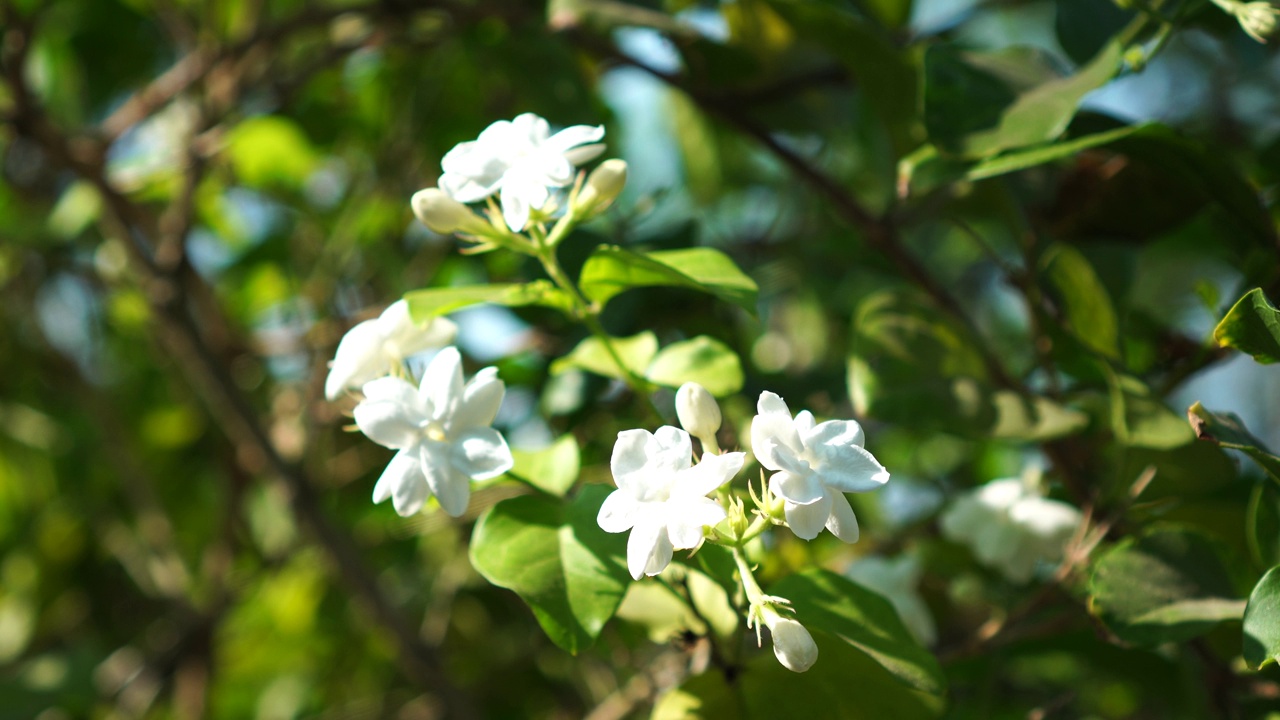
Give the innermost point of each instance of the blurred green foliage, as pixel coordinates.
(998, 233)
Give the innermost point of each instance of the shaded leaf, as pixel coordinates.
(1227, 430)
(1085, 301)
(1262, 621)
(1168, 585)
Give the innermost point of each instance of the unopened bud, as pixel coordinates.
(792, 644)
(698, 412)
(445, 215)
(1258, 19)
(603, 186)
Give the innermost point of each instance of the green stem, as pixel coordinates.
(755, 596)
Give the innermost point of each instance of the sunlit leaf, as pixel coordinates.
(635, 352)
(552, 469)
(557, 559)
(1252, 326)
(1227, 430)
(611, 270)
(1262, 621)
(703, 360)
(426, 304)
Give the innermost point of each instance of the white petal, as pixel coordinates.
(643, 545)
(481, 399)
(404, 337)
(800, 489)
(515, 211)
(851, 469)
(466, 189)
(686, 518)
(402, 469)
(391, 389)
(961, 521)
(804, 422)
(409, 496)
(706, 476)
(771, 428)
(837, 434)
(618, 512)
(498, 136)
(357, 360)
(481, 454)
(530, 128)
(1046, 518)
(793, 645)
(574, 136)
(450, 487)
(547, 169)
(842, 523)
(630, 458)
(807, 521)
(585, 153)
(441, 386)
(660, 558)
(386, 423)
(675, 450)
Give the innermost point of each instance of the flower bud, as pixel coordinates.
(1258, 19)
(697, 410)
(603, 185)
(445, 215)
(792, 644)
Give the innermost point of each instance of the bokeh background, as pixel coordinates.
(199, 197)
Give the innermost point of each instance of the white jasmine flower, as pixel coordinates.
(897, 579)
(792, 644)
(1258, 19)
(375, 348)
(521, 159)
(441, 430)
(660, 498)
(1010, 527)
(697, 410)
(815, 465)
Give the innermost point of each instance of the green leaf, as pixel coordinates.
(977, 105)
(557, 559)
(591, 355)
(1252, 326)
(612, 269)
(868, 666)
(1086, 304)
(425, 304)
(1023, 159)
(1227, 430)
(1262, 621)
(271, 150)
(864, 620)
(552, 469)
(703, 360)
(1034, 420)
(1168, 585)
(1262, 524)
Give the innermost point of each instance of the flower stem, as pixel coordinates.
(755, 596)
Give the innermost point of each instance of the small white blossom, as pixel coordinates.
(661, 496)
(815, 465)
(1259, 18)
(1010, 527)
(375, 348)
(441, 430)
(792, 644)
(521, 159)
(897, 579)
(697, 410)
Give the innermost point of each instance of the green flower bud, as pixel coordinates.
(445, 215)
(603, 186)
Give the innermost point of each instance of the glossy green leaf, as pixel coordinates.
(1262, 621)
(1252, 326)
(636, 352)
(1262, 524)
(1168, 585)
(703, 360)
(612, 269)
(1227, 430)
(557, 559)
(1086, 305)
(552, 469)
(425, 304)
